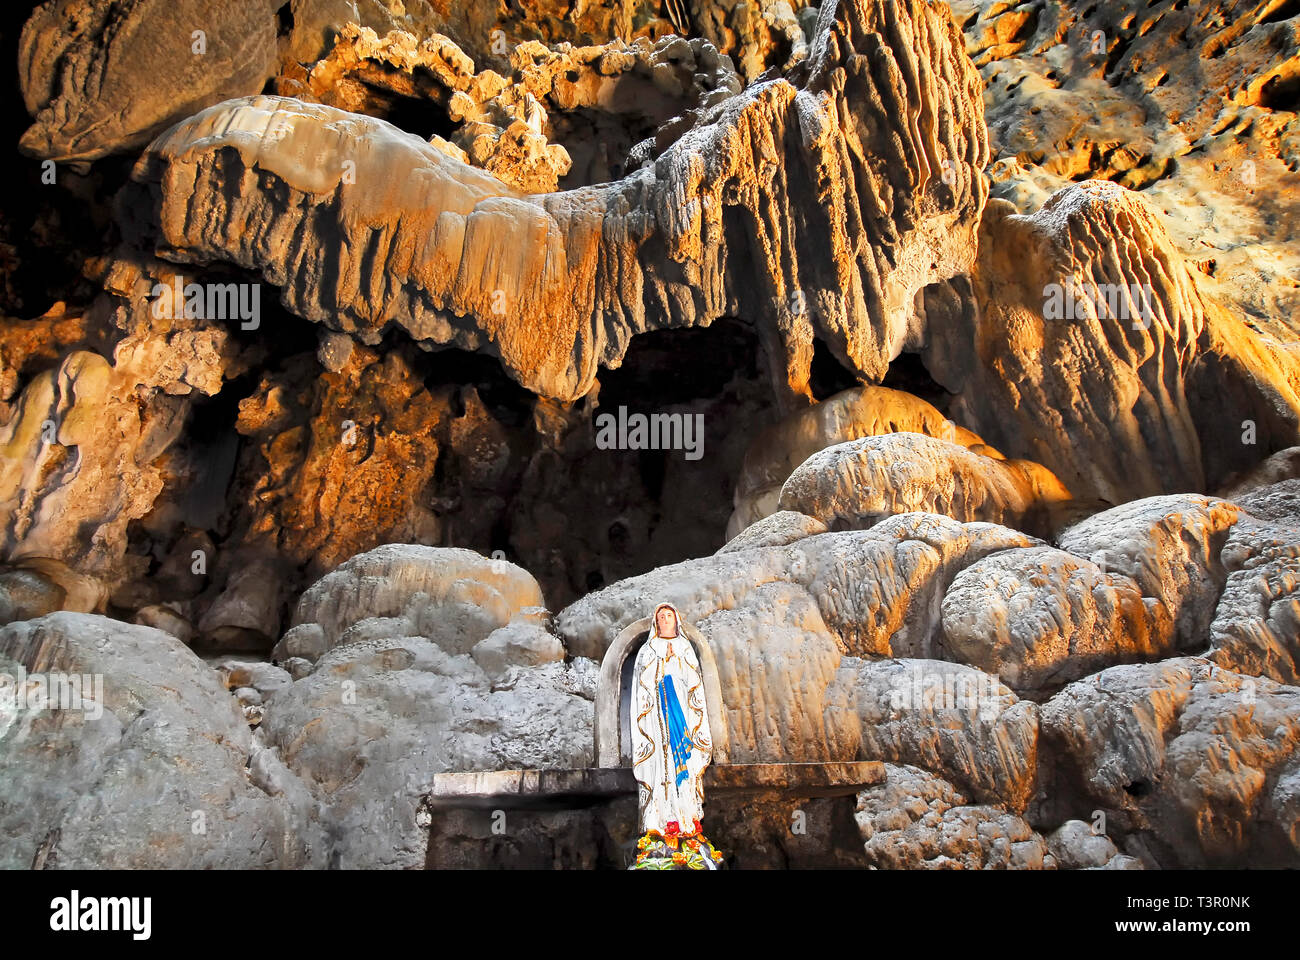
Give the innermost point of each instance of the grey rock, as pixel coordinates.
(150, 775)
(918, 821)
(1039, 617)
(776, 530)
(164, 618)
(26, 595)
(369, 728)
(1076, 847)
(453, 596)
(334, 351)
(518, 643)
(1190, 763)
(951, 719)
(298, 667)
(1169, 546)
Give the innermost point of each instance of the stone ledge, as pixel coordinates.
(583, 787)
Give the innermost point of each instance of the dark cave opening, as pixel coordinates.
(598, 142)
(284, 20)
(48, 230)
(423, 117)
(210, 445)
(630, 509)
(653, 469)
(505, 399)
(1138, 788)
(1283, 11)
(1281, 93)
(908, 373)
(507, 480)
(678, 366)
(212, 418)
(827, 376)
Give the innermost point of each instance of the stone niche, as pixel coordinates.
(586, 818)
(613, 726)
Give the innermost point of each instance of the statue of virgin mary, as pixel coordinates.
(671, 748)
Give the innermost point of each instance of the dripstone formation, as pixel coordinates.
(985, 309)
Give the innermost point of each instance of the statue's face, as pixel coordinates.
(665, 623)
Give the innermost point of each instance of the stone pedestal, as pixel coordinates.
(761, 815)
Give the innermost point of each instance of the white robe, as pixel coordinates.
(660, 799)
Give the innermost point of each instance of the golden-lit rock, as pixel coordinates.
(556, 284)
(856, 484)
(849, 415)
(1195, 763)
(1194, 104)
(1097, 355)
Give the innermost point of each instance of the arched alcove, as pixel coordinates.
(613, 695)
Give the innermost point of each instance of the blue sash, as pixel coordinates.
(678, 739)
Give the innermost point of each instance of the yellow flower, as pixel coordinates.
(717, 854)
(679, 858)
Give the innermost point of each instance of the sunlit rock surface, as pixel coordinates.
(322, 353)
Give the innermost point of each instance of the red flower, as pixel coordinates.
(671, 829)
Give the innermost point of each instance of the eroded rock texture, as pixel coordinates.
(422, 660)
(1192, 103)
(1038, 616)
(856, 483)
(849, 415)
(611, 107)
(156, 733)
(1096, 354)
(1002, 494)
(918, 821)
(886, 113)
(80, 62)
(1196, 763)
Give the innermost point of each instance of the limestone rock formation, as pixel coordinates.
(873, 592)
(917, 821)
(1191, 103)
(453, 597)
(471, 262)
(776, 530)
(1004, 493)
(1097, 355)
(149, 728)
(1195, 764)
(599, 101)
(855, 484)
(849, 415)
(76, 465)
(33, 587)
(1170, 547)
(426, 660)
(1256, 626)
(80, 63)
(1283, 465)
(1076, 845)
(948, 718)
(374, 721)
(780, 621)
(1040, 617)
